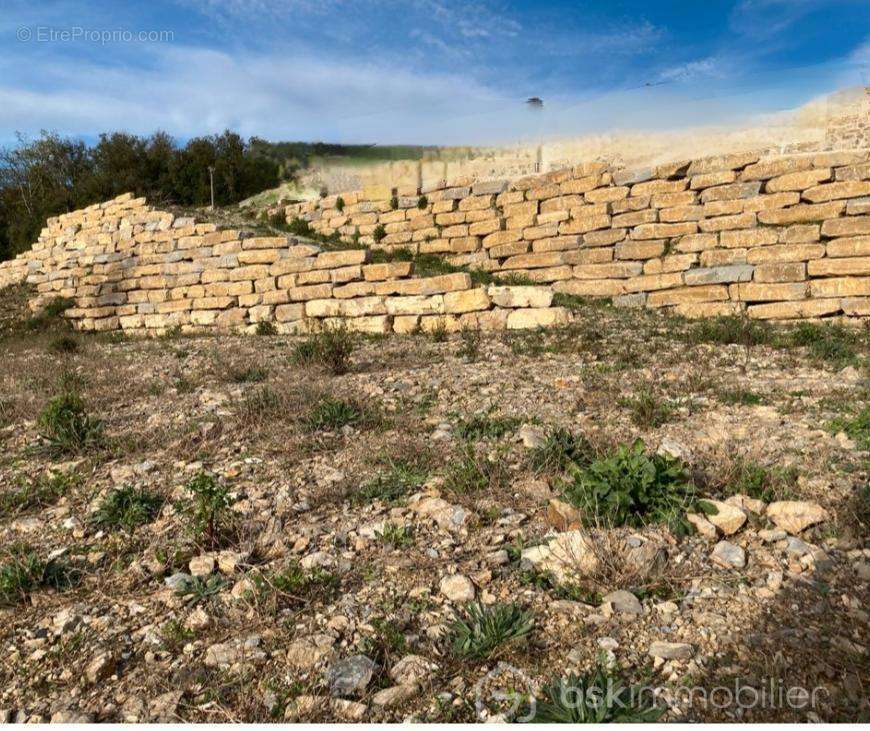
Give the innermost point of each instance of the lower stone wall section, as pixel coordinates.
(124, 265)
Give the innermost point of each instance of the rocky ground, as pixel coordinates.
(224, 529)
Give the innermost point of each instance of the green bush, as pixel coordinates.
(560, 449)
(127, 508)
(485, 426)
(331, 413)
(481, 631)
(67, 427)
(647, 409)
(22, 571)
(631, 487)
(64, 344)
(330, 348)
(401, 478)
(595, 697)
(207, 507)
(380, 233)
(27, 494)
(265, 327)
(299, 227)
(422, 202)
(469, 472)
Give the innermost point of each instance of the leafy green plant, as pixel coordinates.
(631, 487)
(127, 508)
(339, 204)
(400, 478)
(265, 327)
(395, 535)
(647, 409)
(394, 202)
(26, 494)
(64, 344)
(22, 571)
(422, 202)
(481, 631)
(261, 405)
(469, 343)
(292, 584)
(485, 426)
(200, 588)
(380, 233)
(207, 507)
(300, 227)
(742, 396)
(332, 413)
(330, 348)
(731, 330)
(560, 449)
(67, 426)
(598, 696)
(469, 471)
(249, 374)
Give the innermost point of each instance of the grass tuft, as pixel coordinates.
(482, 631)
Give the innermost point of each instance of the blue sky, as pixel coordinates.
(417, 71)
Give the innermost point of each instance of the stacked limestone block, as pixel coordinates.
(774, 237)
(127, 266)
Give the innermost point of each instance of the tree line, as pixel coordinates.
(53, 175)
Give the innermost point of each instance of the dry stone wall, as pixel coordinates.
(127, 266)
(774, 237)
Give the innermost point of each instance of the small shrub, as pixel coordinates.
(746, 477)
(201, 588)
(394, 202)
(67, 427)
(261, 405)
(731, 330)
(331, 414)
(631, 487)
(380, 233)
(469, 343)
(22, 571)
(470, 472)
(57, 306)
(397, 536)
(300, 227)
(64, 344)
(401, 478)
(560, 449)
(292, 584)
(207, 508)
(339, 204)
(438, 332)
(481, 631)
(484, 426)
(330, 348)
(127, 508)
(32, 494)
(251, 374)
(264, 327)
(594, 697)
(741, 396)
(834, 344)
(422, 202)
(647, 409)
